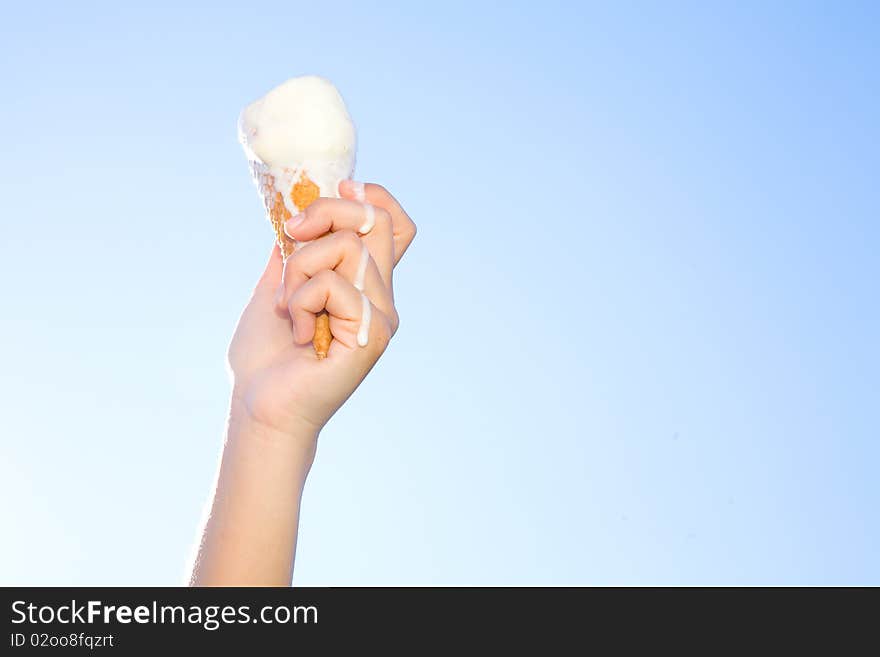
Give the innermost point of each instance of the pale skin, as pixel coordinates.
(282, 395)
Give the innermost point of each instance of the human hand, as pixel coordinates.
(346, 269)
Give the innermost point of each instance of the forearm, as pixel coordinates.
(249, 537)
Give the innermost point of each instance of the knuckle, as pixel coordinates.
(349, 239)
(324, 277)
(410, 229)
(383, 217)
(379, 190)
(381, 335)
(394, 320)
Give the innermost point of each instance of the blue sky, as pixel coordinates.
(639, 339)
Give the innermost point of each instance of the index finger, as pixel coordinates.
(403, 228)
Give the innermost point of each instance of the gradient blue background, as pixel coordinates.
(639, 338)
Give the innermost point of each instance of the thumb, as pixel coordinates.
(270, 279)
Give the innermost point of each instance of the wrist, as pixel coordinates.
(294, 446)
(247, 409)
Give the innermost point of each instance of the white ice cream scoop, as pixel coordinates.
(301, 126)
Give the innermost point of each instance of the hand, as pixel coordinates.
(282, 394)
(277, 380)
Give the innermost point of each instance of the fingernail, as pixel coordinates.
(292, 223)
(369, 219)
(356, 189)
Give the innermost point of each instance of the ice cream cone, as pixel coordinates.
(301, 143)
(303, 193)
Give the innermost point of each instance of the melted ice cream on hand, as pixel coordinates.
(300, 127)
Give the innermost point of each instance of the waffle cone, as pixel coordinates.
(303, 193)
